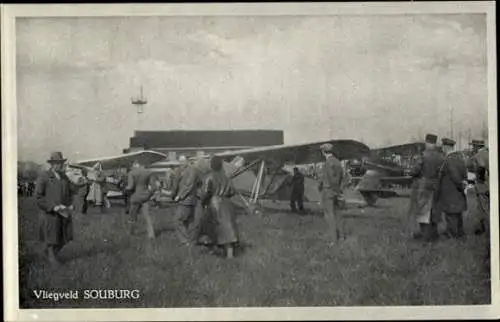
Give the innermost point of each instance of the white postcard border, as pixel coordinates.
(9, 162)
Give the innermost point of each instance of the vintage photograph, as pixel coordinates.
(206, 161)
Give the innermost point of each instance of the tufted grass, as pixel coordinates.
(285, 260)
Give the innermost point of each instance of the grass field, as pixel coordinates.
(285, 260)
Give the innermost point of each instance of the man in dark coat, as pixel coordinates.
(478, 164)
(185, 193)
(426, 172)
(54, 197)
(297, 193)
(139, 188)
(450, 193)
(330, 187)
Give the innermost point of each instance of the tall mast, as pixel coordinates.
(139, 103)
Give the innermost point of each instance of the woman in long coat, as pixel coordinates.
(216, 193)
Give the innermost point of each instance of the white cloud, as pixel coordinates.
(361, 77)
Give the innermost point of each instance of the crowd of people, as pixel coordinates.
(440, 188)
(205, 215)
(25, 188)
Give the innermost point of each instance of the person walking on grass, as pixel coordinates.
(450, 193)
(139, 187)
(54, 193)
(297, 191)
(217, 190)
(185, 193)
(423, 204)
(330, 187)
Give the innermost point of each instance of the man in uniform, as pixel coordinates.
(54, 193)
(479, 165)
(479, 162)
(297, 193)
(330, 187)
(140, 191)
(184, 192)
(426, 172)
(450, 193)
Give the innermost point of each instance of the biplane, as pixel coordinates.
(385, 169)
(257, 173)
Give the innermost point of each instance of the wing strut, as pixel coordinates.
(272, 179)
(258, 182)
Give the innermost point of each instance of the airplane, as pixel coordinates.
(109, 165)
(385, 168)
(240, 165)
(270, 162)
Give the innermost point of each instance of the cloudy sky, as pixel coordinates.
(379, 79)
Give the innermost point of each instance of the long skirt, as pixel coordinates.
(223, 219)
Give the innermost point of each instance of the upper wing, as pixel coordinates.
(300, 153)
(402, 149)
(125, 160)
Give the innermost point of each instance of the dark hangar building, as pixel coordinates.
(192, 143)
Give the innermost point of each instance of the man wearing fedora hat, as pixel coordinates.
(450, 193)
(425, 173)
(54, 197)
(330, 187)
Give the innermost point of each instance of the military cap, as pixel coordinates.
(448, 142)
(431, 138)
(327, 147)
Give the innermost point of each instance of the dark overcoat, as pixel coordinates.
(50, 191)
(216, 193)
(297, 186)
(331, 178)
(450, 195)
(426, 173)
